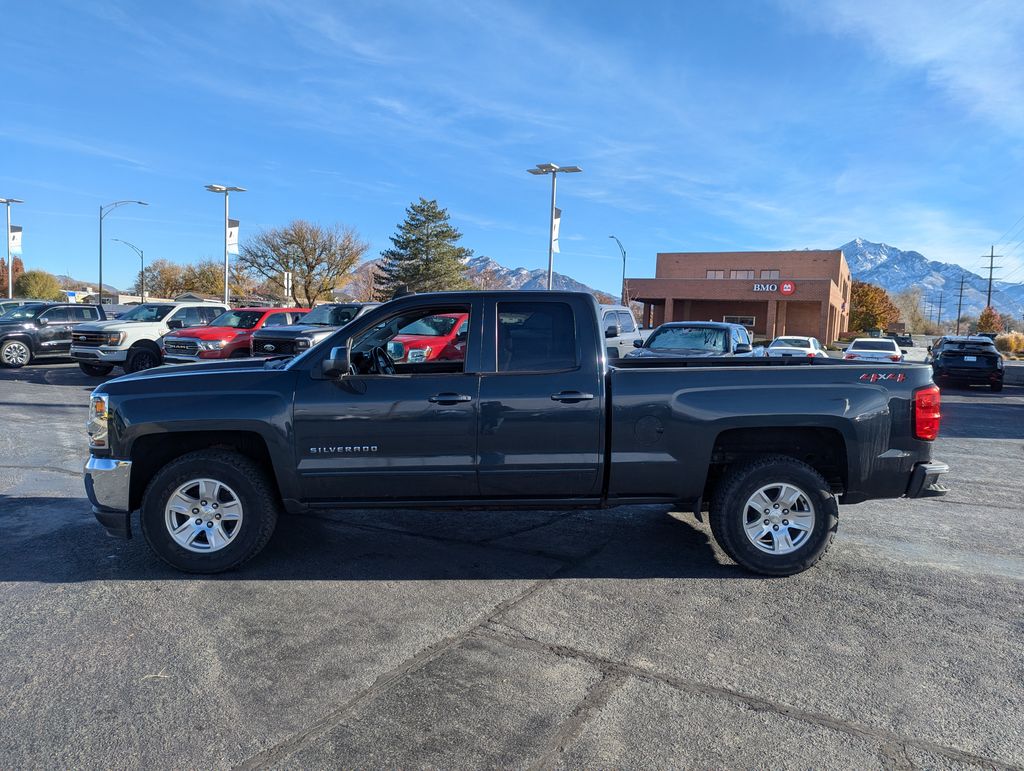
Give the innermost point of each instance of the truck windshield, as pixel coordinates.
(331, 315)
(23, 312)
(688, 339)
(146, 313)
(237, 319)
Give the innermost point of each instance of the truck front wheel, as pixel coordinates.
(774, 515)
(95, 370)
(208, 511)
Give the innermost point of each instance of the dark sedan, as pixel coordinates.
(967, 359)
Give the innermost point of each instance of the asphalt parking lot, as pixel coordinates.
(513, 639)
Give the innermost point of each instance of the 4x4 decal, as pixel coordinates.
(874, 377)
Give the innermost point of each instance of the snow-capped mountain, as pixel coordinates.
(494, 275)
(896, 270)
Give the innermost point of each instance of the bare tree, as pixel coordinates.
(319, 258)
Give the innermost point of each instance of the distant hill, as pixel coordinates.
(490, 274)
(896, 270)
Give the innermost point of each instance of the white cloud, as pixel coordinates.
(969, 50)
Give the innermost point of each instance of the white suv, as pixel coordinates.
(131, 341)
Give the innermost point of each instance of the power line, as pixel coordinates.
(960, 303)
(1013, 227)
(991, 269)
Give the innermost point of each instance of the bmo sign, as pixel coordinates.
(786, 287)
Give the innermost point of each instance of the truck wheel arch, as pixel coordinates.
(822, 448)
(151, 452)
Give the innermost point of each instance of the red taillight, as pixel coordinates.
(810, 356)
(849, 356)
(894, 357)
(927, 413)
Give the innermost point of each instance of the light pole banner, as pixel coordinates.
(16, 239)
(232, 236)
(556, 223)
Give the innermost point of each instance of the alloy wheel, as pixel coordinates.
(778, 518)
(203, 515)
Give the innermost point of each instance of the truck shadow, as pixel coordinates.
(56, 540)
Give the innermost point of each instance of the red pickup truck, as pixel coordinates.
(433, 338)
(227, 336)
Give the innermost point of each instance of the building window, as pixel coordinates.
(770, 274)
(747, 321)
(715, 274)
(747, 274)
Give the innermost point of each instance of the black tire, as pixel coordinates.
(141, 358)
(258, 500)
(997, 387)
(728, 514)
(96, 370)
(15, 354)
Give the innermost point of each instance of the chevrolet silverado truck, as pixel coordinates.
(132, 340)
(532, 415)
(319, 324)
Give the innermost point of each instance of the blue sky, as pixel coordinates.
(738, 124)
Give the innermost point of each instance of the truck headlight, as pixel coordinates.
(418, 354)
(301, 343)
(98, 415)
(115, 338)
(211, 345)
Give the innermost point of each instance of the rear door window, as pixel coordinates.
(276, 320)
(56, 315)
(537, 337)
(626, 321)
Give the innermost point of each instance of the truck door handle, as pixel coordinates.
(448, 398)
(571, 397)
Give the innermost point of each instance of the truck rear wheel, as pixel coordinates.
(208, 511)
(774, 515)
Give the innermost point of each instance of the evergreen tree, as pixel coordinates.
(425, 256)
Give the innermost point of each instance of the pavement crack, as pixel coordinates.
(298, 741)
(892, 746)
(569, 730)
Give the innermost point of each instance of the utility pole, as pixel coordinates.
(959, 303)
(991, 267)
(938, 315)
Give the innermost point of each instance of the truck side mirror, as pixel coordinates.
(929, 349)
(638, 343)
(743, 348)
(336, 364)
(176, 324)
(612, 330)
(42, 321)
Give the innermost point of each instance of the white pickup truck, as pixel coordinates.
(131, 341)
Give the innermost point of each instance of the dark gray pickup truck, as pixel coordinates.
(531, 415)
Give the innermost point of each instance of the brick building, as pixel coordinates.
(771, 293)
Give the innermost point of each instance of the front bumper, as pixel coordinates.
(107, 484)
(99, 354)
(926, 480)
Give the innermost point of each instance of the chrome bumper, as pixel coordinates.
(925, 480)
(107, 483)
(99, 354)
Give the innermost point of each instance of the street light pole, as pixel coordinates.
(104, 211)
(625, 299)
(226, 190)
(10, 263)
(554, 171)
(142, 268)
